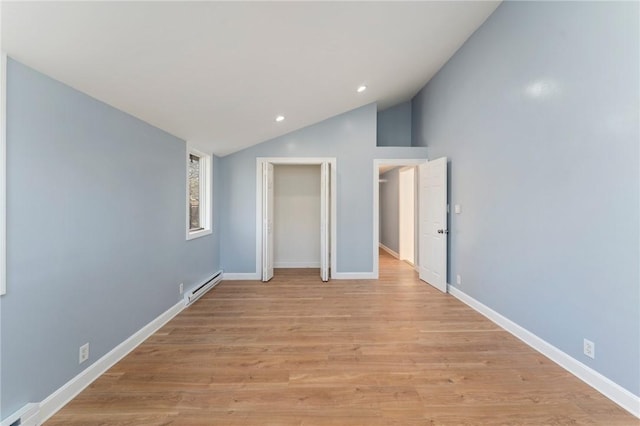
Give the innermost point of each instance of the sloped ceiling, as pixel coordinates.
(217, 74)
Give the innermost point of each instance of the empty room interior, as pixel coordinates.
(320, 213)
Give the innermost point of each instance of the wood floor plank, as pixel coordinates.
(296, 351)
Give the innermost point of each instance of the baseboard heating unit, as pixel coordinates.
(29, 415)
(199, 291)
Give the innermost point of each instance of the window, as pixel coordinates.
(3, 171)
(198, 194)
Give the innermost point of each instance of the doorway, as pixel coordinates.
(269, 251)
(429, 209)
(296, 234)
(386, 199)
(397, 192)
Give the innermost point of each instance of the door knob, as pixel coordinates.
(443, 231)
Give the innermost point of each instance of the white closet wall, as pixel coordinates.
(297, 216)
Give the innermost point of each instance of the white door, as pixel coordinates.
(406, 214)
(267, 221)
(324, 221)
(433, 223)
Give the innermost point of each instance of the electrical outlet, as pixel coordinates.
(181, 288)
(458, 279)
(83, 354)
(589, 348)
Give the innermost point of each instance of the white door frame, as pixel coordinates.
(332, 195)
(376, 201)
(3, 173)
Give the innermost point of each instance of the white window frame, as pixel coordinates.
(206, 176)
(3, 171)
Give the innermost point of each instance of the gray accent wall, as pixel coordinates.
(389, 203)
(96, 224)
(351, 139)
(538, 114)
(394, 125)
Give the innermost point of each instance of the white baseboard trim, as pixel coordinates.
(73, 387)
(248, 276)
(388, 250)
(354, 276)
(296, 265)
(602, 384)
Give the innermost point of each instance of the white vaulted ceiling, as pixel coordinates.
(218, 73)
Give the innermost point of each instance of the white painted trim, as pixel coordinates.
(3, 173)
(298, 161)
(376, 201)
(73, 387)
(259, 185)
(296, 265)
(333, 195)
(241, 276)
(388, 250)
(602, 384)
(197, 234)
(354, 276)
(206, 205)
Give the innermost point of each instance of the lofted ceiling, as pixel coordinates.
(218, 73)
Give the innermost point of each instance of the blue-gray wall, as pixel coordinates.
(96, 232)
(389, 203)
(351, 138)
(394, 125)
(538, 113)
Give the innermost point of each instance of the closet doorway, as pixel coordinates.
(295, 215)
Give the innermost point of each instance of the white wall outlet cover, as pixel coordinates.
(83, 353)
(181, 288)
(458, 209)
(589, 348)
(458, 279)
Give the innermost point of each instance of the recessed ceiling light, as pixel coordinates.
(279, 118)
(362, 88)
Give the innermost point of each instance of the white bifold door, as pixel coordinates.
(325, 177)
(268, 220)
(433, 223)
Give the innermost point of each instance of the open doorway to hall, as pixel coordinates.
(397, 211)
(430, 207)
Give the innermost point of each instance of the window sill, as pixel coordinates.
(192, 235)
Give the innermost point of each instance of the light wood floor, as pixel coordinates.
(300, 352)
